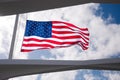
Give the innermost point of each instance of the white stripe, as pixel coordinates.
(72, 34)
(52, 44)
(62, 29)
(65, 35)
(58, 40)
(85, 31)
(65, 29)
(73, 28)
(31, 48)
(41, 38)
(59, 24)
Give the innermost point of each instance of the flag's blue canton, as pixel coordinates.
(41, 29)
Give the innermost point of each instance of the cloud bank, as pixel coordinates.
(6, 29)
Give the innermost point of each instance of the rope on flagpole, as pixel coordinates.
(13, 37)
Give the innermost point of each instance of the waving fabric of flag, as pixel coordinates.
(53, 34)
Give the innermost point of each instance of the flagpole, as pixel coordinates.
(13, 37)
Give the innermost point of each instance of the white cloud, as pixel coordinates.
(6, 29)
(114, 75)
(67, 75)
(31, 77)
(89, 77)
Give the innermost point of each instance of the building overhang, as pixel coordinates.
(14, 68)
(10, 7)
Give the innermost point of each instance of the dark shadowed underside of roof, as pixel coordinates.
(10, 7)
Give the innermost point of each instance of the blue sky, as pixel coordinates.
(103, 21)
(112, 10)
(111, 14)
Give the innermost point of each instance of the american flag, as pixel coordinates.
(53, 34)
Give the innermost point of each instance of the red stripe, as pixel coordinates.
(55, 42)
(83, 46)
(85, 40)
(67, 32)
(62, 38)
(83, 36)
(33, 39)
(25, 50)
(50, 41)
(38, 45)
(86, 34)
(59, 27)
(86, 44)
(62, 32)
(47, 45)
(66, 37)
(84, 29)
(70, 25)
